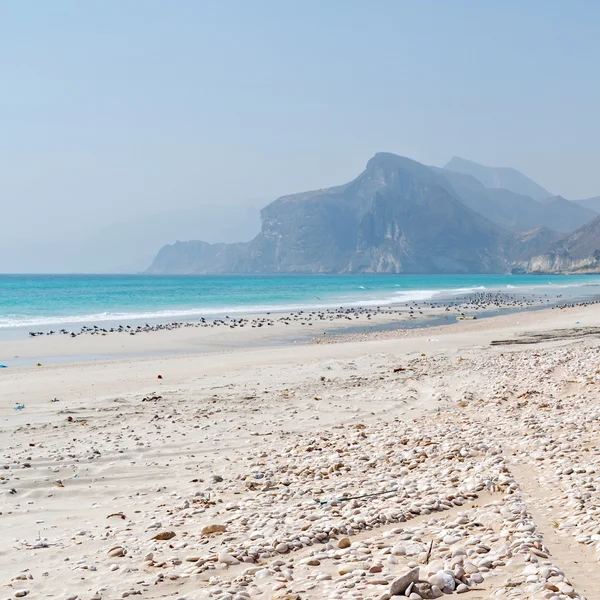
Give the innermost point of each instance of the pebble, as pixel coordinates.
(227, 559)
(454, 477)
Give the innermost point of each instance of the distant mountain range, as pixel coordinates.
(514, 211)
(591, 203)
(399, 216)
(504, 178)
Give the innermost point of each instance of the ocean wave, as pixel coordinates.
(20, 321)
(383, 298)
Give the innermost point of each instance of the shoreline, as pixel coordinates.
(179, 345)
(55, 302)
(97, 344)
(269, 330)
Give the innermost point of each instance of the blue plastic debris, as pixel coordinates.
(19, 407)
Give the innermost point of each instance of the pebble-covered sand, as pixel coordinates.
(389, 475)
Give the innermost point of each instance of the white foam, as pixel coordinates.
(390, 299)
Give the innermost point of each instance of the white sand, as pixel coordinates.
(492, 449)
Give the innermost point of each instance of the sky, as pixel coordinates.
(114, 111)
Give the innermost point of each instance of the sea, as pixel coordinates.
(39, 302)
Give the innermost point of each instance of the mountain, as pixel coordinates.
(590, 203)
(516, 212)
(523, 245)
(499, 178)
(398, 216)
(577, 253)
(195, 256)
(565, 215)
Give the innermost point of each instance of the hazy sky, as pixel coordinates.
(111, 108)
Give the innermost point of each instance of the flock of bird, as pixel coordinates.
(480, 301)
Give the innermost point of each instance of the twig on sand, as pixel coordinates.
(429, 552)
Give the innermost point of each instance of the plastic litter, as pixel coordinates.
(19, 407)
(3, 366)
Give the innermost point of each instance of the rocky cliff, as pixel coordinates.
(195, 256)
(577, 253)
(398, 216)
(523, 245)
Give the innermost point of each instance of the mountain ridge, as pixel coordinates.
(397, 216)
(516, 212)
(381, 221)
(499, 178)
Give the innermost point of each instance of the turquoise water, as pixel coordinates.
(35, 301)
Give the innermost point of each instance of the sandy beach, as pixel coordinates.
(413, 463)
(300, 301)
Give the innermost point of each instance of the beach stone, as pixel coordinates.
(437, 579)
(444, 580)
(164, 535)
(117, 551)
(459, 572)
(451, 539)
(400, 584)
(461, 588)
(344, 543)
(262, 573)
(432, 568)
(351, 567)
(21, 593)
(425, 590)
(565, 588)
(227, 559)
(282, 548)
(213, 529)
